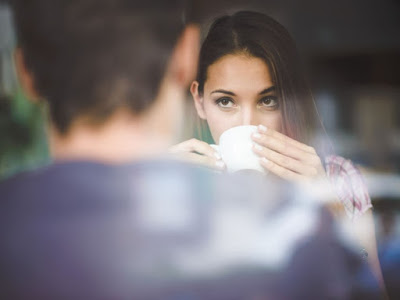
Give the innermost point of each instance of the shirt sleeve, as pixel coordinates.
(349, 185)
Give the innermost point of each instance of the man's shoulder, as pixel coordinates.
(71, 179)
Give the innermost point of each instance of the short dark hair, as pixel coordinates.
(92, 57)
(258, 35)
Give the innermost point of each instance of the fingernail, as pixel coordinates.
(262, 128)
(257, 146)
(217, 155)
(257, 135)
(264, 160)
(220, 164)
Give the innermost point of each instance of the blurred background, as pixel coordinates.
(352, 53)
(22, 137)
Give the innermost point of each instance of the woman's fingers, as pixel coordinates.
(285, 139)
(287, 147)
(287, 157)
(198, 152)
(203, 160)
(286, 161)
(194, 145)
(281, 171)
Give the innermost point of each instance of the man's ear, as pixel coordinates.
(183, 64)
(25, 77)
(198, 100)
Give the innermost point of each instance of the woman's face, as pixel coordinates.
(238, 91)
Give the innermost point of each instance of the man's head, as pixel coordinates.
(91, 58)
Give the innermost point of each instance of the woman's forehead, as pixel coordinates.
(239, 72)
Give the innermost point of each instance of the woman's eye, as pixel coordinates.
(225, 102)
(270, 101)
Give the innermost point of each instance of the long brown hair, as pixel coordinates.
(260, 36)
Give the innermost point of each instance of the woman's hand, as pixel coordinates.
(198, 152)
(286, 157)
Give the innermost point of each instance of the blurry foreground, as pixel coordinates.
(167, 230)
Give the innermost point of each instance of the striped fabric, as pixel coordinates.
(349, 185)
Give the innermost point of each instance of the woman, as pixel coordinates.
(250, 74)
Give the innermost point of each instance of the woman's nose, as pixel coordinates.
(249, 117)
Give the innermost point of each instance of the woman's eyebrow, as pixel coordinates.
(268, 90)
(223, 92)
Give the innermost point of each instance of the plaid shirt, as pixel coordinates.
(348, 184)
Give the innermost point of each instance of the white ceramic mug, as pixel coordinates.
(235, 148)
